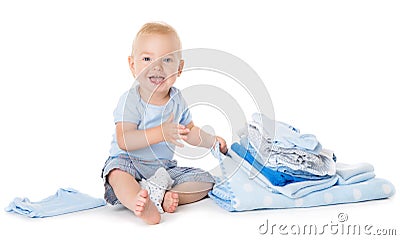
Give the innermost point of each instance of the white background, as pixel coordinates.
(331, 68)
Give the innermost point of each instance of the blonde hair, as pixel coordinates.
(156, 28)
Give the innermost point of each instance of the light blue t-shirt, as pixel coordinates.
(132, 108)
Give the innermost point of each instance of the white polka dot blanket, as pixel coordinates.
(241, 187)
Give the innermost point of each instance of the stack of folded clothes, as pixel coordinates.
(284, 156)
(282, 168)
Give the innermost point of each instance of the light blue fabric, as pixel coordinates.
(274, 177)
(349, 174)
(295, 189)
(66, 200)
(285, 135)
(235, 191)
(299, 173)
(307, 167)
(131, 108)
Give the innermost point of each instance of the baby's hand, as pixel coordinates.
(222, 144)
(172, 132)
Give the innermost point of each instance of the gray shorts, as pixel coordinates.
(143, 169)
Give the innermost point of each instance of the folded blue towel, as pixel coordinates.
(276, 178)
(66, 200)
(349, 174)
(295, 186)
(235, 191)
(292, 190)
(309, 167)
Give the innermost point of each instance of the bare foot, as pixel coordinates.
(170, 203)
(145, 209)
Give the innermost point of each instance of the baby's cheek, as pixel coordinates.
(171, 80)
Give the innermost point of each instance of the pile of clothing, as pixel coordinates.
(282, 168)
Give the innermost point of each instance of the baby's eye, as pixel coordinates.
(146, 59)
(167, 60)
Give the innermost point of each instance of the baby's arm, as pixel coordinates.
(198, 137)
(129, 138)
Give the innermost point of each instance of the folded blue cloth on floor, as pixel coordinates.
(66, 200)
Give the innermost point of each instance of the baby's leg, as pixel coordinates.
(129, 193)
(189, 192)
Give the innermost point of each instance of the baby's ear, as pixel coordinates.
(131, 65)
(180, 68)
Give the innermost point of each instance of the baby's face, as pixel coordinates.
(156, 62)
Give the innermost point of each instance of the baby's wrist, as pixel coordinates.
(159, 134)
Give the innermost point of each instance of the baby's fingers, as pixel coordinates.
(223, 149)
(183, 137)
(179, 136)
(181, 126)
(183, 131)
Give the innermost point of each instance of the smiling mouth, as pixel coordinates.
(156, 80)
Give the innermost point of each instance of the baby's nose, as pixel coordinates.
(157, 66)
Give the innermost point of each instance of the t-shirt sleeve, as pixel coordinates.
(186, 116)
(126, 110)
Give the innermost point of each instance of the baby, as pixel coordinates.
(150, 119)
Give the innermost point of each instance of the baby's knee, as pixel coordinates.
(114, 175)
(208, 185)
